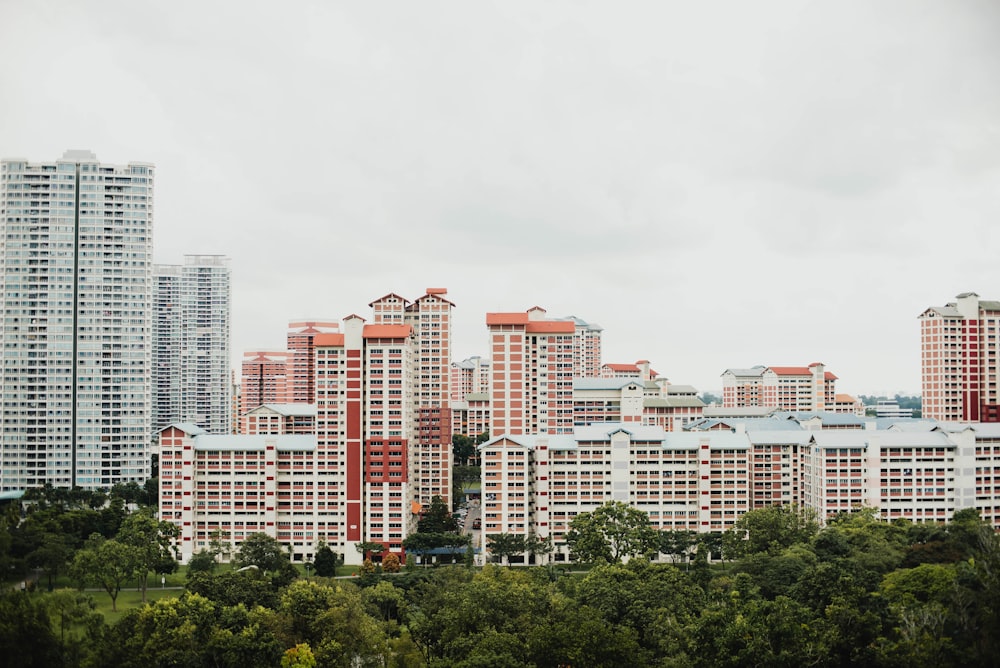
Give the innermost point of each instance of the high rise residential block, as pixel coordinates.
(378, 448)
(470, 376)
(76, 338)
(532, 373)
(191, 344)
(959, 353)
(586, 348)
(302, 364)
(264, 379)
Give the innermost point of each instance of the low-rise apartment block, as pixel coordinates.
(705, 480)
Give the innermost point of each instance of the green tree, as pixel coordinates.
(502, 546)
(107, 564)
(333, 621)
(463, 448)
(770, 530)
(262, 551)
(325, 561)
(201, 561)
(26, 637)
(437, 519)
(153, 541)
(610, 533)
(369, 547)
(677, 544)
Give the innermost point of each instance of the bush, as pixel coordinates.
(390, 564)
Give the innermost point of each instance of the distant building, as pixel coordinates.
(890, 408)
(76, 295)
(959, 359)
(790, 388)
(192, 371)
(264, 376)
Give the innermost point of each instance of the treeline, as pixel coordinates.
(857, 592)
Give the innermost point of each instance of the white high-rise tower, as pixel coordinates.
(76, 297)
(191, 344)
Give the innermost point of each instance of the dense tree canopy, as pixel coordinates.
(610, 533)
(860, 591)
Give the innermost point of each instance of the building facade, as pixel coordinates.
(787, 388)
(703, 481)
(531, 383)
(377, 442)
(192, 369)
(264, 380)
(76, 296)
(959, 353)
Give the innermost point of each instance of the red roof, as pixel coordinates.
(798, 371)
(387, 331)
(622, 367)
(326, 340)
(506, 318)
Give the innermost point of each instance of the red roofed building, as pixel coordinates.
(532, 373)
(789, 388)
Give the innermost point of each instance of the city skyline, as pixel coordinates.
(786, 186)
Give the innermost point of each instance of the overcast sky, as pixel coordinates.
(717, 184)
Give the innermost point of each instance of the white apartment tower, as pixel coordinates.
(191, 344)
(75, 338)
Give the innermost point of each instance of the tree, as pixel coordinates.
(26, 637)
(463, 448)
(369, 547)
(610, 533)
(770, 530)
(300, 656)
(201, 561)
(504, 545)
(326, 561)
(262, 551)
(107, 564)
(677, 543)
(154, 543)
(390, 563)
(437, 519)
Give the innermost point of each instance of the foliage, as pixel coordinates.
(262, 551)
(249, 588)
(390, 563)
(26, 632)
(504, 545)
(153, 541)
(107, 564)
(437, 519)
(463, 448)
(610, 533)
(769, 530)
(325, 562)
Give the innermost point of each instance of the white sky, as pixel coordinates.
(717, 184)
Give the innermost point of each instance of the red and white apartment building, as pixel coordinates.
(959, 353)
(264, 379)
(381, 448)
(531, 388)
(704, 481)
(787, 388)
